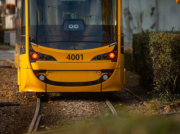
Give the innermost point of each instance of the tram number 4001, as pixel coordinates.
(75, 57)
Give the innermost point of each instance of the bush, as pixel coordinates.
(142, 61)
(157, 61)
(165, 57)
(128, 63)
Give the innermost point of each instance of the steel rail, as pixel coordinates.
(108, 103)
(37, 124)
(4, 103)
(5, 66)
(35, 117)
(137, 97)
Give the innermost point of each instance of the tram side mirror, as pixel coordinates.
(74, 25)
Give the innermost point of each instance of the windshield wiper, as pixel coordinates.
(34, 44)
(113, 44)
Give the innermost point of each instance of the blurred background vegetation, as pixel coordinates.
(126, 125)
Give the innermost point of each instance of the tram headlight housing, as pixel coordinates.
(105, 77)
(107, 56)
(42, 77)
(35, 56)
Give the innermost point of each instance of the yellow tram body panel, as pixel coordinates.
(114, 83)
(73, 76)
(63, 74)
(61, 55)
(29, 83)
(94, 88)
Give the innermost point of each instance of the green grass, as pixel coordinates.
(1, 43)
(6, 47)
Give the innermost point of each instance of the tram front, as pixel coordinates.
(74, 46)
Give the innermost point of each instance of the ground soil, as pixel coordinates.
(63, 110)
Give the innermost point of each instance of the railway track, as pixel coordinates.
(137, 97)
(131, 93)
(36, 119)
(5, 66)
(111, 107)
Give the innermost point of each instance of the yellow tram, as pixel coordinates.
(69, 46)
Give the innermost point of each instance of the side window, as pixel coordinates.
(23, 18)
(122, 33)
(22, 28)
(18, 32)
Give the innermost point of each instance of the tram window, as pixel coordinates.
(96, 22)
(22, 37)
(23, 23)
(54, 12)
(23, 13)
(18, 31)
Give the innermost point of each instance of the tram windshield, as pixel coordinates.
(70, 18)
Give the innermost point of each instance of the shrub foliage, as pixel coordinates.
(165, 56)
(128, 60)
(141, 56)
(157, 61)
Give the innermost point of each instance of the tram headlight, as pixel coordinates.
(112, 55)
(42, 77)
(105, 77)
(34, 56)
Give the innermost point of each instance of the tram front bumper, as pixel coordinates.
(30, 82)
